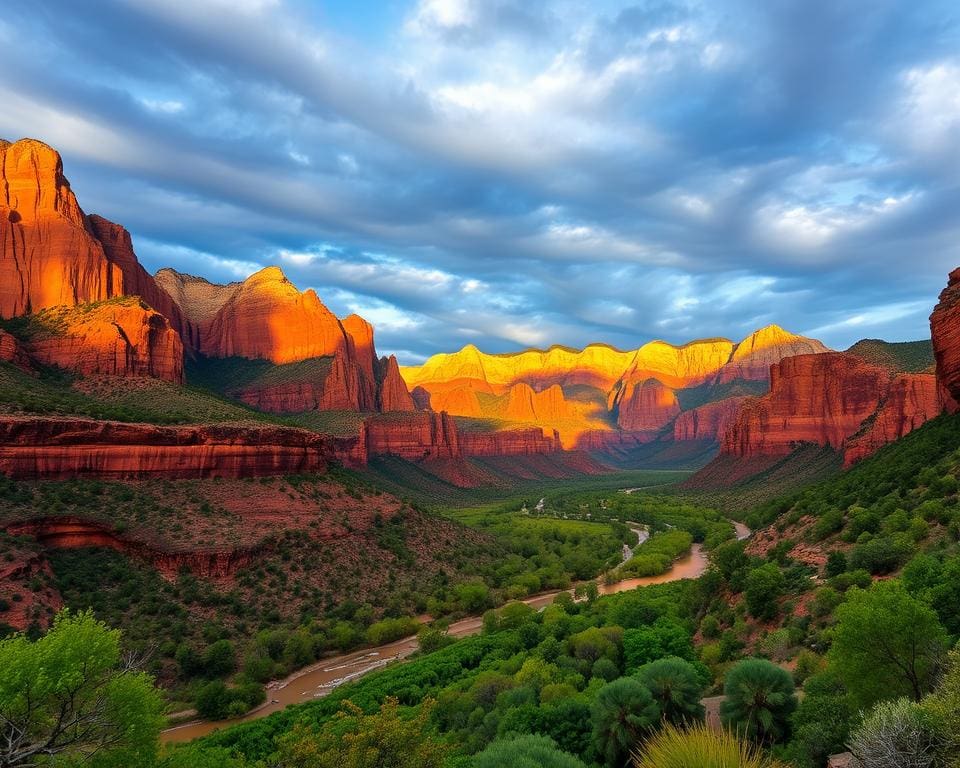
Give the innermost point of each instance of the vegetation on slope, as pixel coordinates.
(901, 357)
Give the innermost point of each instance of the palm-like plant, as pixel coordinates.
(623, 711)
(701, 747)
(760, 698)
(676, 688)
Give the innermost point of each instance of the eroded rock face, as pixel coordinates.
(462, 401)
(393, 394)
(826, 399)
(911, 400)
(945, 333)
(752, 357)
(47, 256)
(121, 337)
(648, 406)
(414, 436)
(59, 448)
(549, 405)
(511, 442)
(12, 352)
(708, 422)
(267, 317)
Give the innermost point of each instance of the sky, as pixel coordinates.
(517, 173)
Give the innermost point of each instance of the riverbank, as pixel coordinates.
(321, 678)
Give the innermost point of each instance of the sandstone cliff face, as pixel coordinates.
(752, 358)
(47, 256)
(708, 422)
(648, 406)
(360, 333)
(945, 333)
(267, 317)
(392, 391)
(524, 404)
(118, 248)
(511, 442)
(59, 448)
(121, 337)
(415, 436)
(462, 401)
(825, 399)
(602, 440)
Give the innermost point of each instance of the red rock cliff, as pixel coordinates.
(825, 399)
(945, 333)
(549, 405)
(707, 422)
(121, 337)
(56, 448)
(511, 442)
(647, 406)
(413, 436)
(392, 394)
(911, 400)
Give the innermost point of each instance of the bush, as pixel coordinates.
(881, 555)
(897, 734)
(764, 586)
(525, 752)
(702, 747)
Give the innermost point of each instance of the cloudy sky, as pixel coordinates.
(517, 173)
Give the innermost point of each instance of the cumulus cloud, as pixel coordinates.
(520, 173)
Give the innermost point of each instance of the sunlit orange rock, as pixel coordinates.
(53, 448)
(524, 404)
(461, 401)
(393, 394)
(646, 406)
(911, 400)
(47, 255)
(118, 248)
(752, 357)
(945, 333)
(120, 337)
(707, 422)
(360, 333)
(267, 317)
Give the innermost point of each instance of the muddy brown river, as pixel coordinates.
(321, 678)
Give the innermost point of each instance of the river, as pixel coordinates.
(321, 678)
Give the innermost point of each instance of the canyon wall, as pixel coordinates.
(945, 333)
(510, 442)
(51, 448)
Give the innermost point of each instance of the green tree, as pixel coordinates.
(623, 712)
(355, 739)
(764, 586)
(525, 752)
(219, 659)
(72, 693)
(821, 722)
(676, 688)
(759, 700)
(886, 643)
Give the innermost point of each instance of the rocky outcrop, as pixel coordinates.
(118, 248)
(707, 422)
(267, 317)
(910, 401)
(752, 357)
(647, 406)
(57, 448)
(829, 399)
(605, 440)
(945, 333)
(47, 255)
(524, 404)
(414, 436)
(74, 532)
(392, 394)
(12, 352)
(462, 401)
(120, 337)
(360, 333)
(510, 442)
